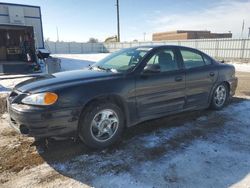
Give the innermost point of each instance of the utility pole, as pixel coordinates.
(118, 21)
(242, 28)
(57, 34)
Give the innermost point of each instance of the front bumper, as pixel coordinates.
(43, 122)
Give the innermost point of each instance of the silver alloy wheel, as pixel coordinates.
(104, 125)
(220, 95)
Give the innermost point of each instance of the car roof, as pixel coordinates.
(160, 46)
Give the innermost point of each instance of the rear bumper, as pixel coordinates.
(42, 123)
(233, 85)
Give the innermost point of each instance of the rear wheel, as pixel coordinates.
(101, 125)
(220, 96)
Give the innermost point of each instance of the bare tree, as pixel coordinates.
(47, 39)
(93, 40)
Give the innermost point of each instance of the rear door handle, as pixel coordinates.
(178, 78)
(211, 74)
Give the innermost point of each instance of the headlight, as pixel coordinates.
(47, 98)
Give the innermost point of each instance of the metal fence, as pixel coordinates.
(74, 47)
(217, 48)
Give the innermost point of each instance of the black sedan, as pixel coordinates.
(127, 87)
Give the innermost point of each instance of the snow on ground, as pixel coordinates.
(7, 84)
(241, 67)
(78, 61)
(4, 89)
(208, 149)
(218, 156)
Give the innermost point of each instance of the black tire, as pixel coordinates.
(214, 102)
(86, 129)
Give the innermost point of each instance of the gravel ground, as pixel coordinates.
(194, 149)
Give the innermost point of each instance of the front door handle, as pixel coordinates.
(178, 78)
(211, 74)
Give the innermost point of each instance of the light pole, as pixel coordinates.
(118, 21)
(242, 28)
(144, 36)
(249, 32)
(57, 33)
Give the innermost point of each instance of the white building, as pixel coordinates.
(23, 16)
(19, 24)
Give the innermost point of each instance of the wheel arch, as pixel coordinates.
(227, 84)
(114, 98)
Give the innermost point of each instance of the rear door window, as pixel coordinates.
(207, 60)
(191, 59)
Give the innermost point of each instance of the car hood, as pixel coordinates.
(49, 82)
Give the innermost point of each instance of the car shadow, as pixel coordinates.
(143, 143)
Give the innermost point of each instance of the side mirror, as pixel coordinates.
(223, 61)
(152, 68)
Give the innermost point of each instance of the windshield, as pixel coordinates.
(123, 60)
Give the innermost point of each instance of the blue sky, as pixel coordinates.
(78, 20)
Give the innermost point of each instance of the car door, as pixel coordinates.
(162, 92)
(200, 77)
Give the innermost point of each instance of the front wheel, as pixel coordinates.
(101, 125)
(220, 96)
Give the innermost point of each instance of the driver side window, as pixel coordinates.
(166, 59)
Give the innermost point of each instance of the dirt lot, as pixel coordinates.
(194, 149)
